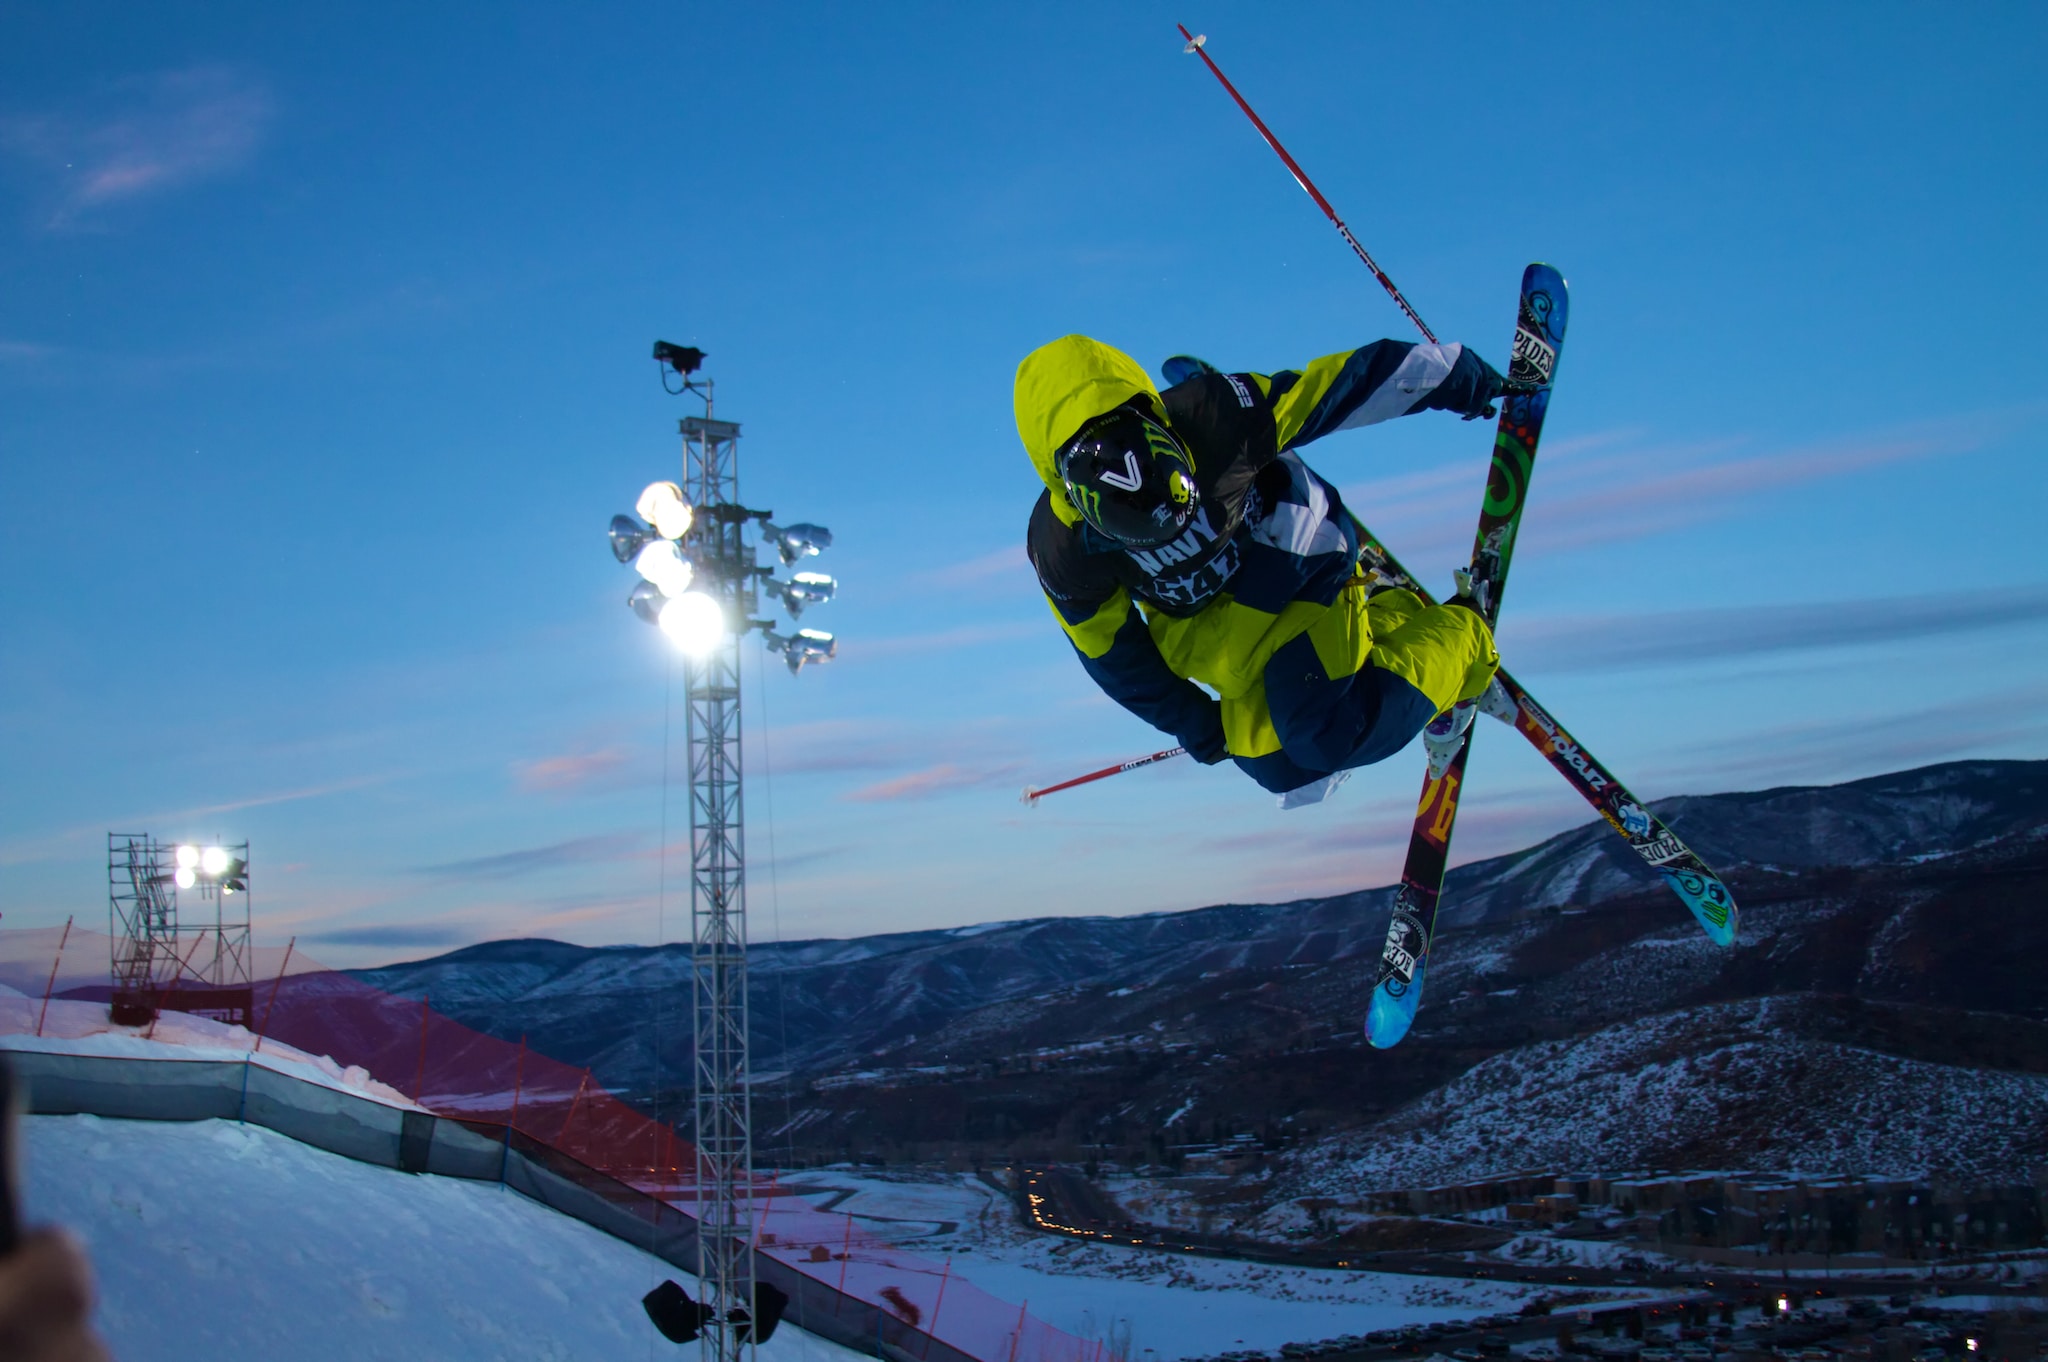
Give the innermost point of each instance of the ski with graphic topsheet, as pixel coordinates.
(1701, 890)
(1539, 336)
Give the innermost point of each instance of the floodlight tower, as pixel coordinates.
(148, 954)
(702, 586)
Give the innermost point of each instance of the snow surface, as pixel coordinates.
(214, 1239)
(1175, 1305)
(81, 1028)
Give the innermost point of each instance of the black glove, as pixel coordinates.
(1207, 746)
(1469, 389)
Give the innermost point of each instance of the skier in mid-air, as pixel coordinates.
(1181, 539)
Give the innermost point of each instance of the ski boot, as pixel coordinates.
(1444, 734)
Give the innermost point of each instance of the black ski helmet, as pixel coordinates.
(1131, 478)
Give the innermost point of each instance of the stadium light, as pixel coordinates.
(646, 602)
(188, 858)
(184, 877)
(802, 540)
(807, 588)
(628, 537)
(803, 646)
(662, 506)
(213, 860)
(695, 621)
(663, 564)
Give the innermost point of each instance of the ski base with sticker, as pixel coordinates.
(1539, 337)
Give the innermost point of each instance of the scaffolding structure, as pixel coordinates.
(718, 895)
(157, 957)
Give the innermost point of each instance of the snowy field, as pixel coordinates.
(217, 1240)
(1174, 1305)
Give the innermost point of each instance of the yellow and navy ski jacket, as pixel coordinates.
(1271, 545)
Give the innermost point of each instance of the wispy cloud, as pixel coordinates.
(395, 936)
(831, 745)
(1007, 561)
(144, 136)
(2011, 723)
(49, 846)
(1619, 486)
(572, 770)
(1610, 642)
(932, 780)
(534, 860)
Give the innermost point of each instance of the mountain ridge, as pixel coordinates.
(1912, 892)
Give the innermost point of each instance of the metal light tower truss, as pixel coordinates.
(718, 892)
(156, 956)
(142, 919)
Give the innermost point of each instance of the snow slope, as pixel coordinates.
(218, 1240)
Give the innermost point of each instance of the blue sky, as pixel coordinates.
(323, 363)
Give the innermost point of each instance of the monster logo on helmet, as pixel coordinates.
(1130, 478)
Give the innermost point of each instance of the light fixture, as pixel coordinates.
(807, 588)
(805, 645)
(646, 602)
(628, 536)
(184, 878)
(695, 621)
(234, 876)
(797, 541)
(188, 857)
(662, 506)
(213, 860)
(663, 564)
(684, 359)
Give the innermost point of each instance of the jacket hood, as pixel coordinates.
(1063, 385)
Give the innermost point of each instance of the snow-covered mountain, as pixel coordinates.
(1893, 917)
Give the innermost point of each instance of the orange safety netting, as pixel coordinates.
(456, 1071)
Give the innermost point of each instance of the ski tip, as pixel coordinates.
(1709, 901)
(1386, 1022)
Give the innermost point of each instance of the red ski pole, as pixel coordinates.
(1032, 795)
(1196, 46)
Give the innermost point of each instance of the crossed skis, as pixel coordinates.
(1539, 339)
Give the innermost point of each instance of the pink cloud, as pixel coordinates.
(144, 137)
(930, 781)
(570, 771)
(1632, 490)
